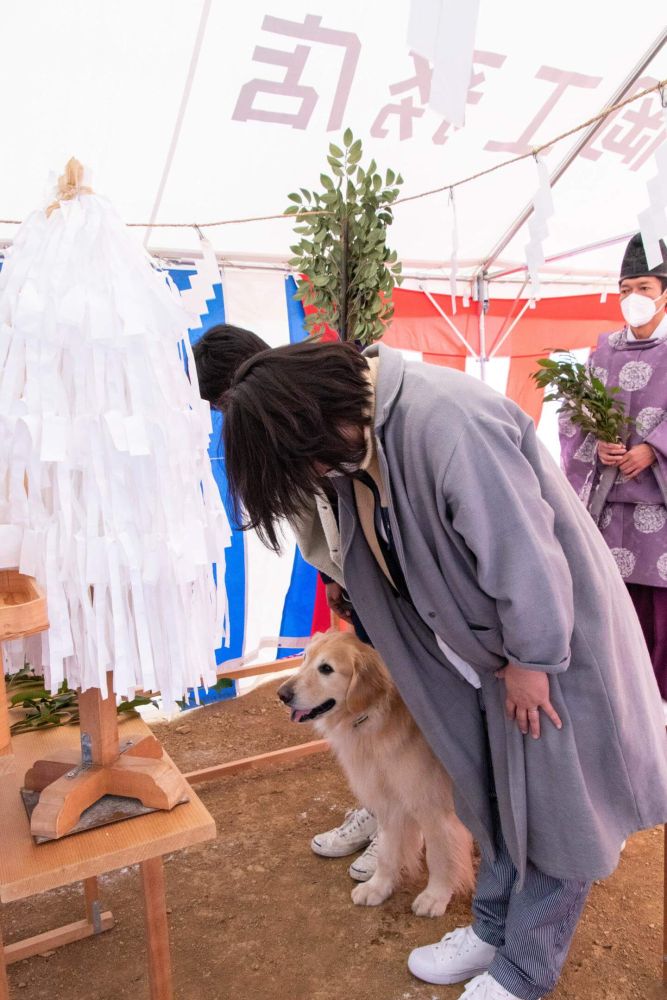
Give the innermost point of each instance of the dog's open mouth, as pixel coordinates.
(307, 715)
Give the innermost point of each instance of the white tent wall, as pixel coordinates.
(106, 82)
(216, 114)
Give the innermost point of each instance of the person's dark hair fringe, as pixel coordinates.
(663, 281)
(218, 355)
(286, 410)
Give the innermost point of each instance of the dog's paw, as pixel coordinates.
(371, 893)
(431, 904)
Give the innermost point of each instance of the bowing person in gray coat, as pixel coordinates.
(499, 609)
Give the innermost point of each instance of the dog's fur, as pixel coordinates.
(390, 767)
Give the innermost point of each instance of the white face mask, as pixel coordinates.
(639, 309)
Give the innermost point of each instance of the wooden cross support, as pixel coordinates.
(70, 782)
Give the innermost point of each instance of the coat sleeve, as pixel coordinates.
(494, 498)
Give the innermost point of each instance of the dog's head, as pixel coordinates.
(340, 676)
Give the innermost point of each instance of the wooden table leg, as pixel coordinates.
(4, 984)
(157, 930)
(91, 896)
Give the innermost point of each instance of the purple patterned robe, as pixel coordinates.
(633, 518)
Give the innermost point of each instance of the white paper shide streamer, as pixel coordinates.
(443, 31)
(653, 220)
(107, 495)
(543, 209)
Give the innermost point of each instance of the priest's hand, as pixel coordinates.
(611, 453)
(336, 599)
(526, 692)
(636, 460)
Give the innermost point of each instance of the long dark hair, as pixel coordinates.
(218, 356)
(287, 410)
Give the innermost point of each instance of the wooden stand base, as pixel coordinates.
(70, 783)
(68, 787)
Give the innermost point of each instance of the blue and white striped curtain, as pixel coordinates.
(269, 595)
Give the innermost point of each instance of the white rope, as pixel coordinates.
(266, 642)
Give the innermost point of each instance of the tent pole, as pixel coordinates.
(483, 303)
(509, 329)
(579, 145)
(565, 255)
(444, 315)
(508, 319)
(194, 59)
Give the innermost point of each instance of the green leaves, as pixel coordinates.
(350, 233)
(588, 404)
(42, 710)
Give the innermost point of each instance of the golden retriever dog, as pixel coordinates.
(346, 690)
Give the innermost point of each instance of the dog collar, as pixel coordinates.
(357, 722)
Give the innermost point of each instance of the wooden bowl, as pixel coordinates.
(22, 606)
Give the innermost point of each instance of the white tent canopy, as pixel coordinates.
(157, 98)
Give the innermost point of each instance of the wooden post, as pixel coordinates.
(98, 721)
(343, 318)
(5, 735)
(157, 930)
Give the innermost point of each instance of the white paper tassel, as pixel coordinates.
(653, 220)
(543, 209)
(122, 519)
(207, 275)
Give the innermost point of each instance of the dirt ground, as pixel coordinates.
(254, 915)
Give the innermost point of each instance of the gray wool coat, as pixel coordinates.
(504, 563)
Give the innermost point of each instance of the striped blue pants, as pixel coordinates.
(532, 929)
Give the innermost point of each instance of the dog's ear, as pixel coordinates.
(370, 681)
(314, 639)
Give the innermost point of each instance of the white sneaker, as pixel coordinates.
(485, 987)
(355, 832)
(460, 955)
(364, 867)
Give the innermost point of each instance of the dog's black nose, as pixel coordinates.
(286, 694)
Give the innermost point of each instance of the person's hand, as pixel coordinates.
(336, 601)
(636, 460)
(526, 692)
(611, 454)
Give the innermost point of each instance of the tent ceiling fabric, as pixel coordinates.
(105, 82)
